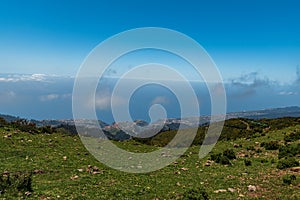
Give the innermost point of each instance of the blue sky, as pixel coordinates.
(253, 43)
(53, 37)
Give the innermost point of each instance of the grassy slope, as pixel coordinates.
(27, 152)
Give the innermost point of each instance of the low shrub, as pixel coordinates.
(224, 158)
(288, 179)
(14, 183)
(272, 145)
(287, 163)
(250, 148)
(216, 157)
(264, 160)
(293, 136)
(247, 162)
(230, 154)
(198, 193)
(289, 150)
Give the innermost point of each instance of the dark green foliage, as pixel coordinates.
(294, 136)
(232, 130)
(258, 150)
(223, 158)
(287, 163)
(288, 179)
(263, 160)
(289, 150)
(216, 157)
(2, 122)
(247, 162)
(47, 129)
(14, 183)
(195, 194)
(229, 153)
(272, 145)
(25, 126)
(250, 148)
(280, 123)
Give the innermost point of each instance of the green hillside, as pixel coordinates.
(254, 159)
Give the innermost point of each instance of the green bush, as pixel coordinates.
(196, 194)
(294, 136)
(289, 150)
(229, 153)
(247, 162)
(272, 145)
(14, 183)
(288, 179)
(264, 160)
(250, 148)
(216, 157)
(287, 163)
(224, 158)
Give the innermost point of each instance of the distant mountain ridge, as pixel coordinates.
(114, 132)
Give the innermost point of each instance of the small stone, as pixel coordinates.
(27, 193)
(74, 177)
(208, 163)
(7, 136)
(65, 158)
(184, 169)
(5, 173)
(95, 168)
(221, 190)
(236, 145)
(231, 190)
(80, 170)
(251, 188)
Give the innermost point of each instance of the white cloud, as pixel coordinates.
(103, 100)
(7, 96)
(22, 77)
(287, 93)
(160, 100)
(51, 97)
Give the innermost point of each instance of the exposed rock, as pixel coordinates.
(251, 188)
(231, 190)
(74, 177)
(7, 136)
(236, 145)
(208, 163)
(95, 168)
(220, 190)
(295, 169)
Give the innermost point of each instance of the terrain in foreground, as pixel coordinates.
(62, 168)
